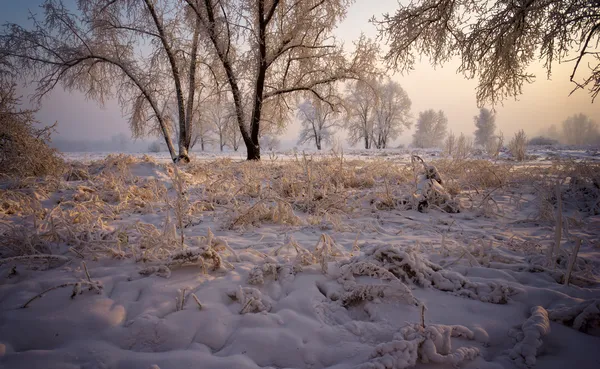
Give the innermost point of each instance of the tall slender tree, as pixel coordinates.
(274, 50)
(318, 121)
(95, 49)
(392, 113)
(361, 102)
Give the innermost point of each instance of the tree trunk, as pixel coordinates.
(253, 151)
(169, 145)
(185, 136)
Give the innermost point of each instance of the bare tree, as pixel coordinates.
(270, 142)
(318, 121)
(497, 40)
(361, 102)
(579, 129)
(234, 136)
(203, 134)
(431, 129)
(273, 50)
(392, 113)
(486, 126)
(219, 116)
(97, 51)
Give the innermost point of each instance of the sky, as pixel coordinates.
(542, 103)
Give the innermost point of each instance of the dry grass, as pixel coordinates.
(518, 146)
(39, 216)
(24, 149)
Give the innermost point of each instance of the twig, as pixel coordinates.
(34, 257)
(197, 301)
(41, 294)
(87, 273)
(572, 261)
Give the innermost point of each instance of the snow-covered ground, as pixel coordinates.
(300, 262)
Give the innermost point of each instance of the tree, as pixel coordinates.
(204, 132)
(361, 101)
(497, 40)
(486, 126)
(219, 116)
(273, 50)
(579, 129)
(431, 129)
(221, 122)
(97, 51)
(392, 113)
(318, 122)
(269, 142)
(234, 136)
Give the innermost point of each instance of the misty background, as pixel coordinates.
(84, 125)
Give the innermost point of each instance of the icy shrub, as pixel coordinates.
(24, 149)
(518, 146)
(430, 192)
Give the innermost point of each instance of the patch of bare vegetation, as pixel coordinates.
(24, 149)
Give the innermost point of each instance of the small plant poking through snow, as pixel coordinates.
(584, 316)
(408, 266)
(529, 337)
(251, 300)
(77, 287)
(35, 260)
(424, 344)
(326, 249)
(258, 273)
(303, 256)
(206, 249)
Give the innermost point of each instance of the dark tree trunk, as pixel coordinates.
(253, 151)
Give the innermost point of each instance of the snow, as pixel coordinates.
(363, 288)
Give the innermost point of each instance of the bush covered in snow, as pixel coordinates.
(24, 149)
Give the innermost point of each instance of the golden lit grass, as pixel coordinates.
(322, 192)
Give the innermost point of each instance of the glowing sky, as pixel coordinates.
(542, 103)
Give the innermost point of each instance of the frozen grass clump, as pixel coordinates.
(251, 300)
(265, 211)
(529, 337)
(204, 250)
(584, 316)
(410, 267)
(429, 192)
(415, 343)
(258, 274)
(389, 287)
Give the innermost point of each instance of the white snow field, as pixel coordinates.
(302, 261)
